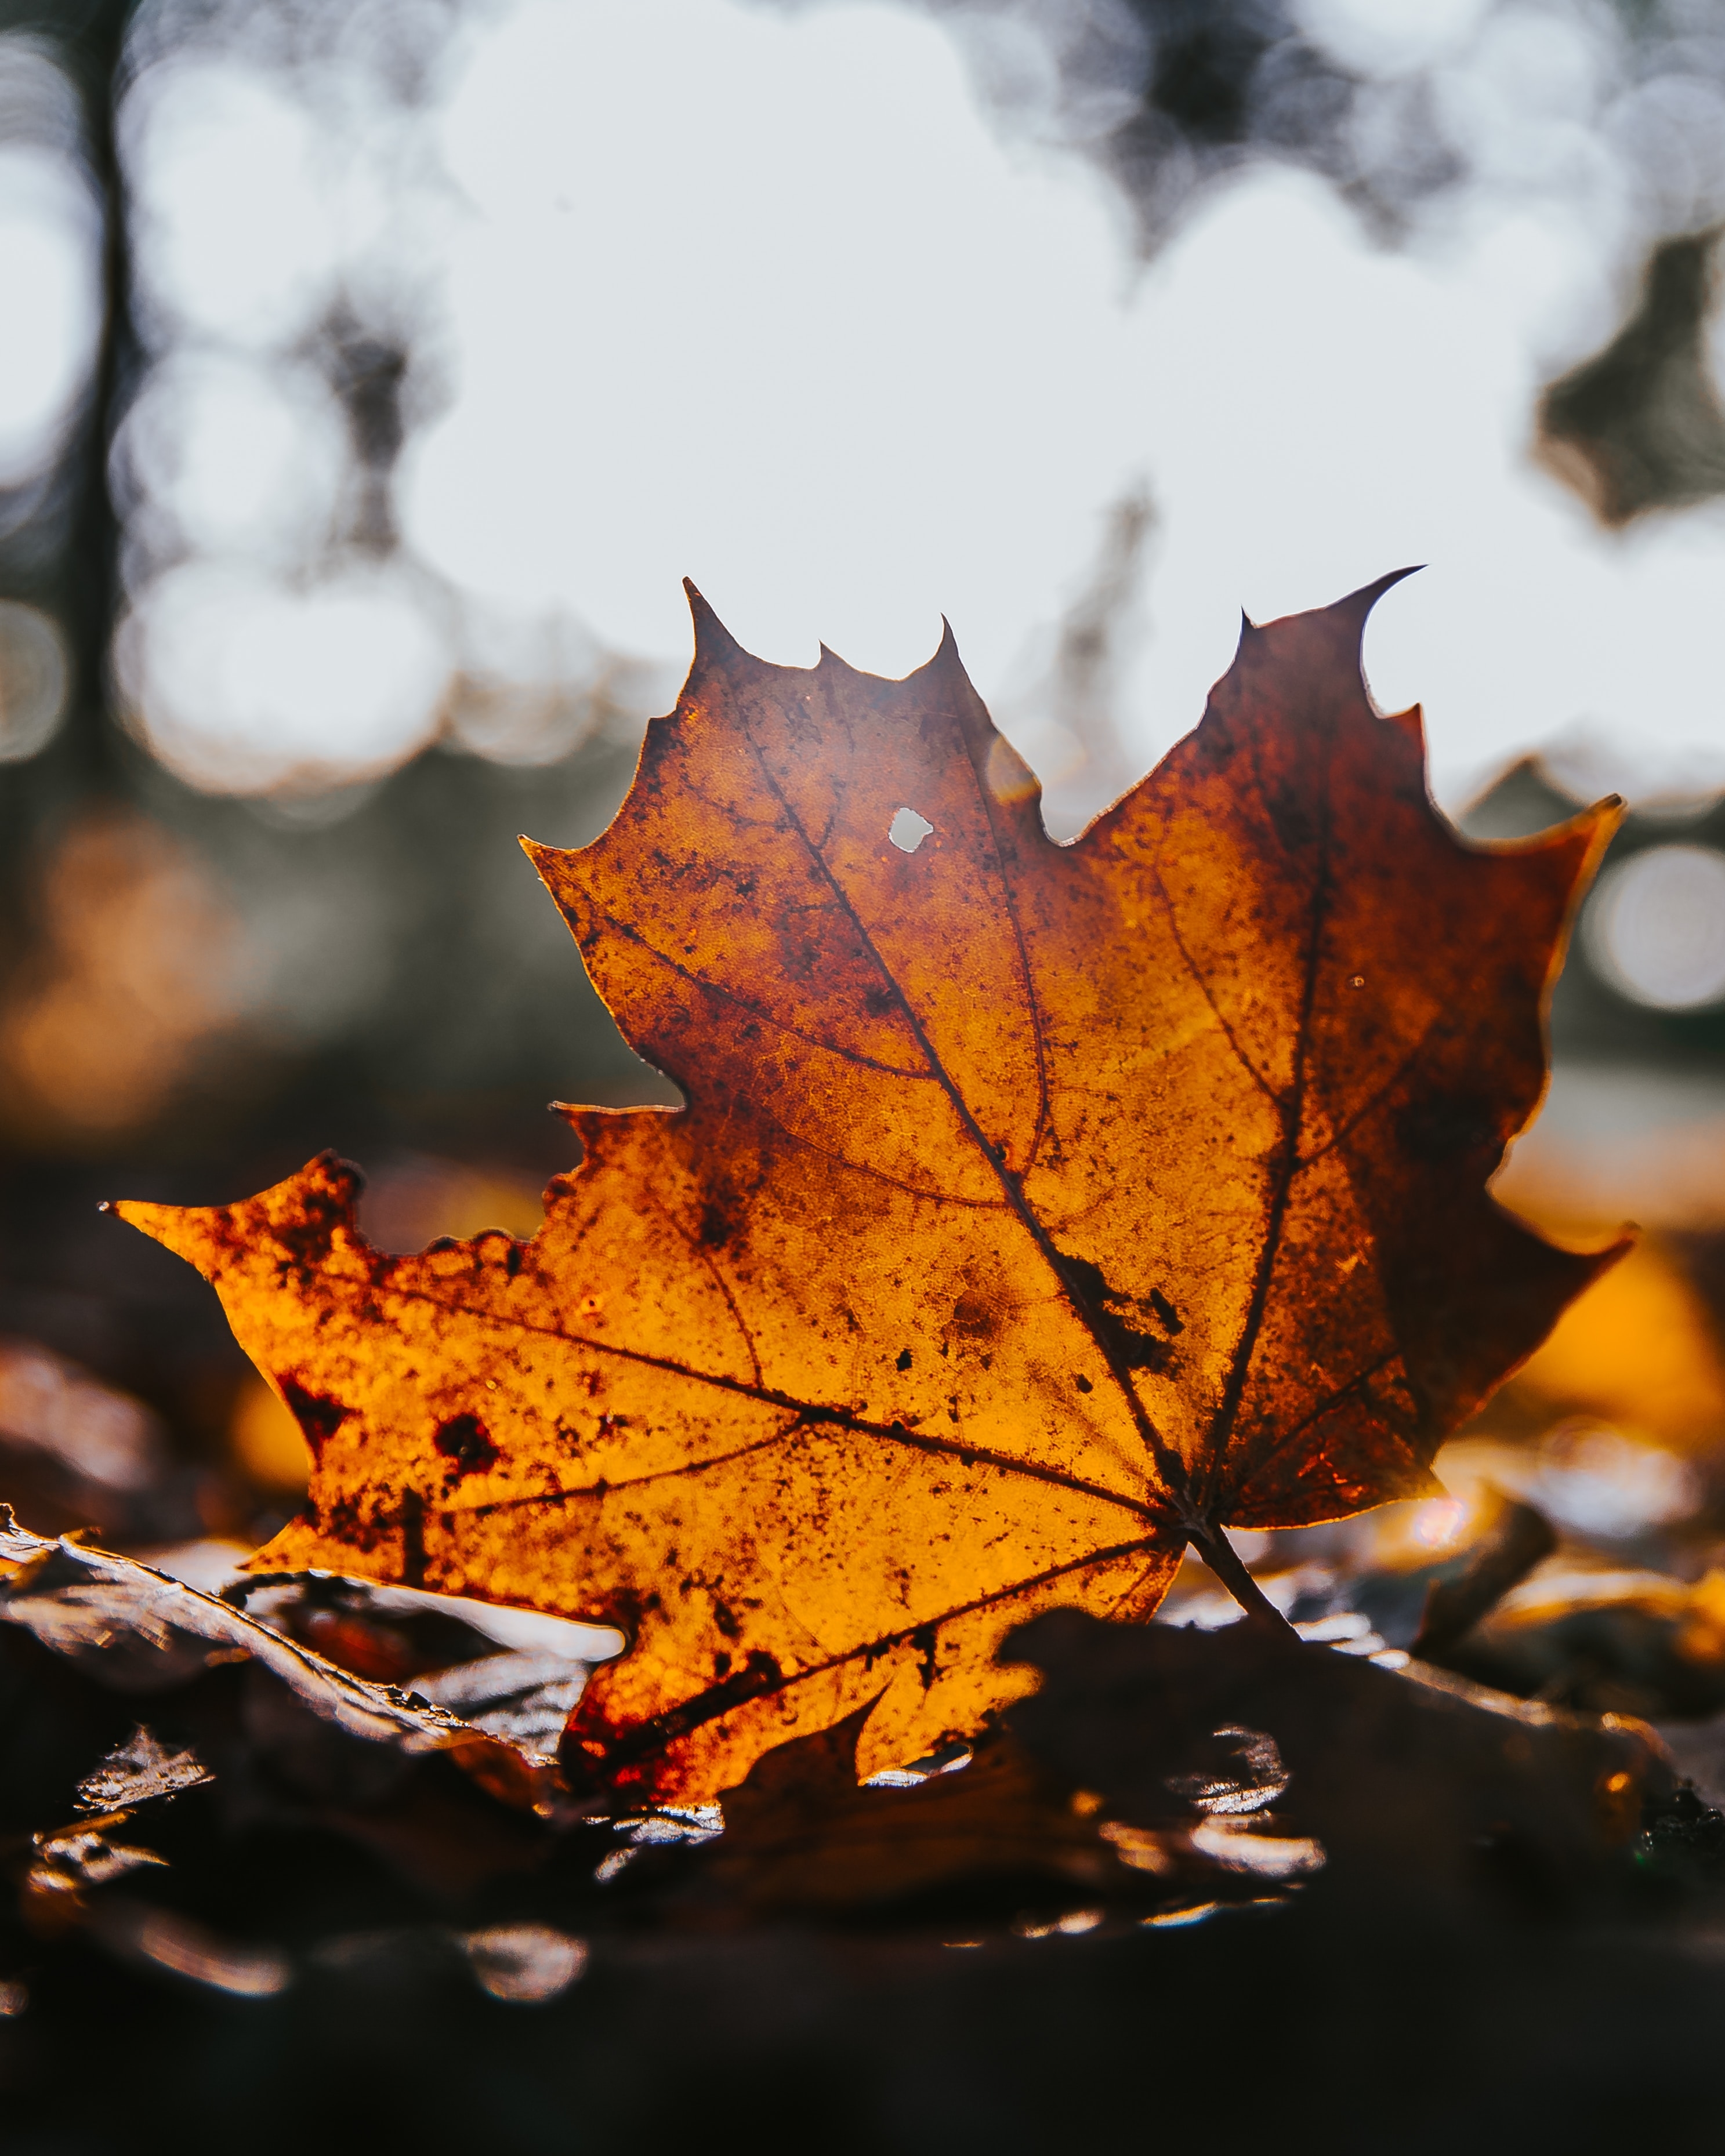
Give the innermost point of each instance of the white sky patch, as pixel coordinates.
(1321, 411)
(1376, 40)
(759, 298)
(761, 301)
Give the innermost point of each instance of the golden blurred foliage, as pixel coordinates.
(1637, 1350)
(136, 965)
(266, 1441)
(1702, 1638)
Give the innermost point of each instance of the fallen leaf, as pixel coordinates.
(142, 1769)
(75, 1452)
(135, 1632)
(1604, 1640)
(523, 1699)
(1036, 1209)
(524, 1964)
(391, 1637)
(996, 1834)
(1417, 1785)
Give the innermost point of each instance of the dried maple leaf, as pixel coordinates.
(1036, 1209)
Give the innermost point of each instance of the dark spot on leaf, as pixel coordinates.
(1166, 1312)
(1084, 1384)
(1103, 1307)
(973, 1318)
(904, 1359)
(318, 1417)
(349, 1522)
(715, 1227)
(325, 1207)
(1292, 819)
(465, 1441)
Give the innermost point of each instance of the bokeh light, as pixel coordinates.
(1656, 927)
(268, 1444)
(243, 682)
(843, 399)
(34, 679)
(241, 264)
(50, 228)
(220, 454)
(842, 311)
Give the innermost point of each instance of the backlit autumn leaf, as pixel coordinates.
(1036, 1209)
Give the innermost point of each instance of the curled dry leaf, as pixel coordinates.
(135, 1631)
(523, 1699)
(1036, 1209)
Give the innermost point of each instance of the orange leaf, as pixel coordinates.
(1035, 1208)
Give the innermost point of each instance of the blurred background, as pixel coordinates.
(374, 369)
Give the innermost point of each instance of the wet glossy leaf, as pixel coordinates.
(1035, 1208)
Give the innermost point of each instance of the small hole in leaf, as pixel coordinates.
(907, 830)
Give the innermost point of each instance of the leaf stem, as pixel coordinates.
(1220, 1555)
